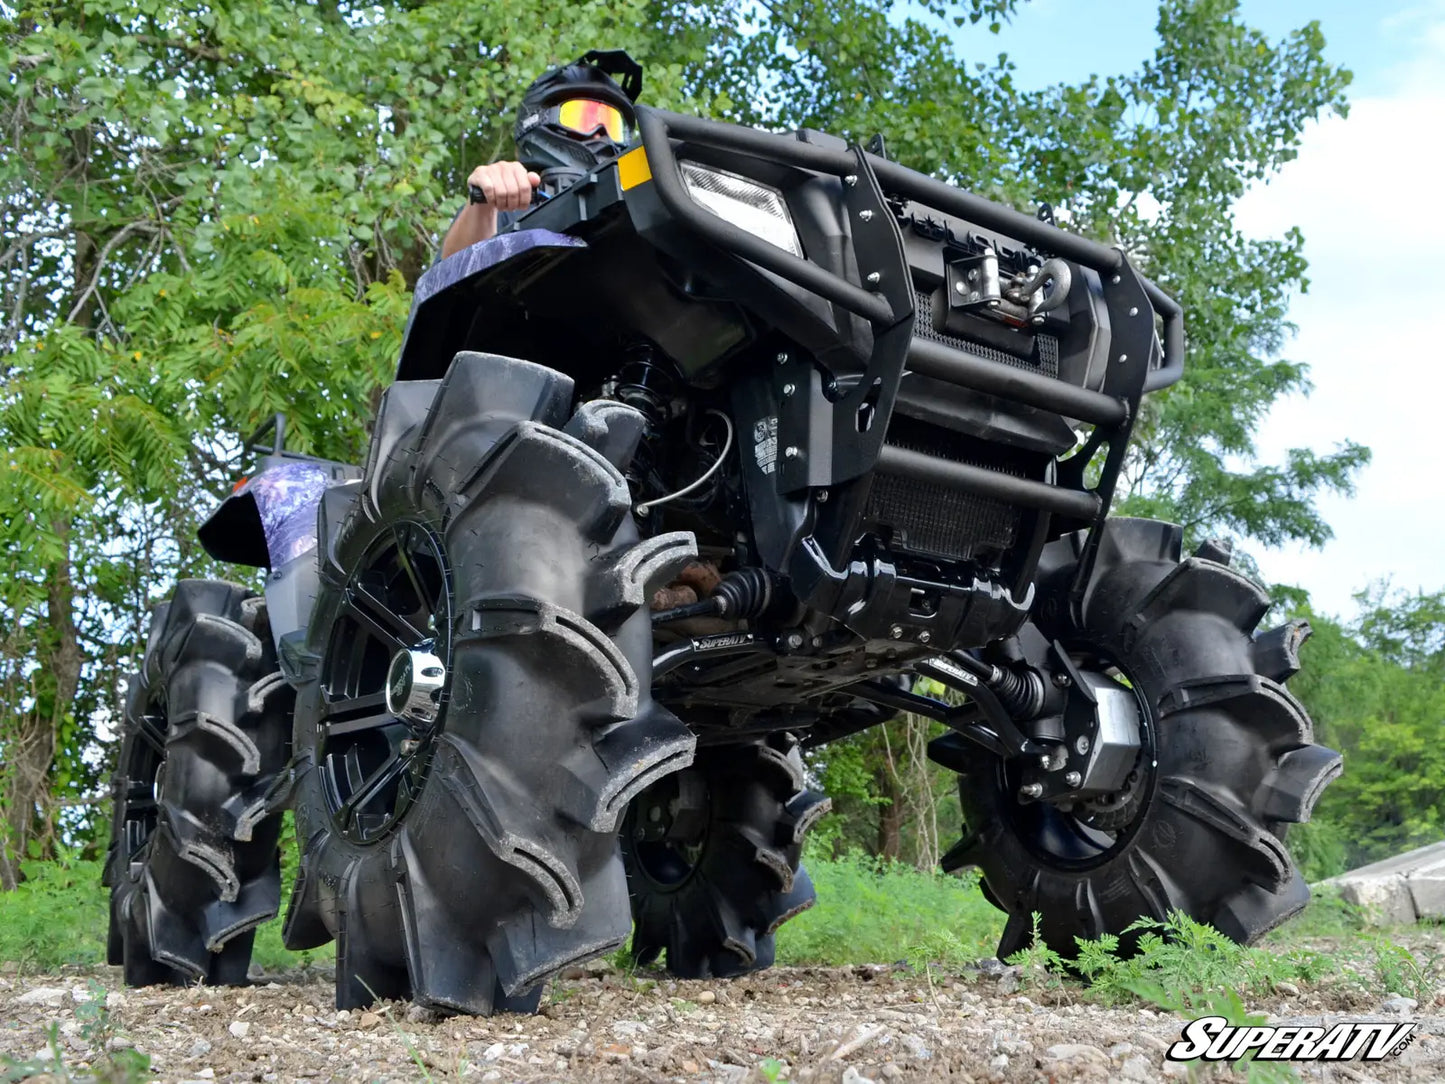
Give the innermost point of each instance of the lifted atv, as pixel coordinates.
(795, 426)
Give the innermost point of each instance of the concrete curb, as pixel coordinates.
(1399, 890)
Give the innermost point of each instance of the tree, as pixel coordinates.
(212, 213)
(1373, 688)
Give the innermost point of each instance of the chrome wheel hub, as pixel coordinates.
(414, 684)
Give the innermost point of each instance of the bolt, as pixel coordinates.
(1046, 762)
(1036, 320)
(1062, 680)
(794, 640)
(409, 746)
(1082, 744)
(874, 278)
(865, 215)
(960, 287)
(654, 814)
(925, 636)
(822, 496)
(1134, 310)
(1123, 358)
(1031, 790)
(792, 451)
(896, 632)
(782, 358)
(993, 303)
(816, 641)
(1073, 779)
(788, 390)
(851, 180)
(1115, 280)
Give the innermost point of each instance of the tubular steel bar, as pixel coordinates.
(945, 363)
(987, 483)
(658, 125)
(673, 194)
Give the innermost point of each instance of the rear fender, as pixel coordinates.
(269, 521)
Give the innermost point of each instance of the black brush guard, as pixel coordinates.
(850, 450)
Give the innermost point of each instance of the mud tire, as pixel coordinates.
(714, 905)
(493, 862)
(193, 865)
(1236, 764)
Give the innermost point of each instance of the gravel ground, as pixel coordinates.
(849, 1025)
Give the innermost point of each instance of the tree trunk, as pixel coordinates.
(30, 745)
(890, 815)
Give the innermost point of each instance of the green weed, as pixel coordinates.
(123, 1065)
(870, 911)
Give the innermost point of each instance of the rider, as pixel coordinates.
(570, 120)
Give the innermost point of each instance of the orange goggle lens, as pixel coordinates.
(584, 116)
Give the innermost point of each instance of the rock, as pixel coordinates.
(853, 1076)
(207, 1073)
(1288, 988)
(1121, 1050)
(891, 1071)
(240, 1028)
(915, 1046)
(43, 995)
(199, 1049)
(574, 972)
(368, 1020)
(1174, 1068)
(1136, 1068)
(421, 1014)
(707, 997)
(999, 1062)
(599, 966)
(494, 1052)
(116, 1000)
(1008, 981)
(1399, 1004)
(1153, 1041)
(80, 995)
(1075, 1052)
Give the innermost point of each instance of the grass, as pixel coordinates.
(873, 912)
(870, 912)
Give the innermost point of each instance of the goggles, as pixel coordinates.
(584, 116)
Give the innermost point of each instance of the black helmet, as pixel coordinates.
(563, 154)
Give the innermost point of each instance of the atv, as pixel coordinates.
(700, 465)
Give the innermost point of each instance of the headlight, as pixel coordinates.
(746, 204)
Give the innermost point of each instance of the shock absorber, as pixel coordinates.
(645, 384)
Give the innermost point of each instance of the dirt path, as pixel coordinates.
(848, 1025)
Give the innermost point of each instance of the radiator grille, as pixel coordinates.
(924, 327)
(930, 519)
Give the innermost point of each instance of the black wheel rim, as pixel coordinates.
(1064, 838)
(143, 780)
(666, 846)
(373, 764)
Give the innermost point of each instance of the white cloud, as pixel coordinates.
(1366, 192)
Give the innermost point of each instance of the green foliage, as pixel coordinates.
(1373, 687)
(212, 214)
(60, 916)
(877, 912)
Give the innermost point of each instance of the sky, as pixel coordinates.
(1366, 191)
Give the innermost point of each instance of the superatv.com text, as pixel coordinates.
(1214, 1038)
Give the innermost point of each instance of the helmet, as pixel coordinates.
(558, 150)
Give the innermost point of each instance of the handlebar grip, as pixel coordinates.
(475, 194)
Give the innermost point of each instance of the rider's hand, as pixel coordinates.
(507, 185)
